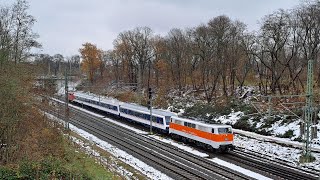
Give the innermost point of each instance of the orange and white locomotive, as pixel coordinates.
(212, 136)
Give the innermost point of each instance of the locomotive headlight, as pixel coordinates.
(226, 139)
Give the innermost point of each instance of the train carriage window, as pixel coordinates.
(178, 122)
(167, 118)
(193, 125)
(185, 124)
(159, 120)
(154, 119)
(224, 130)
(202, 128)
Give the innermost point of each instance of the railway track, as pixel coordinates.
(174, 162)
(252, 161)
(272, 168)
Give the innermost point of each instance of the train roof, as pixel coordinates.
(95, 97)
(202, 123)
(123, 104)
(146, 110)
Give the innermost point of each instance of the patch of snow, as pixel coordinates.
(111, 164)
(240, 169)
(274, 150)
(232, 118)
(280, 129)
(122, 155)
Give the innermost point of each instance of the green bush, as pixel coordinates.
(299, 139)
(208, 112)
(49, 168)
(200, 111)
(263, 132)
(287, 134)
(6, 173)
(243, 124)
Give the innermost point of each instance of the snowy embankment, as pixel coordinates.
(123, 156)
(274, 139)
(274, 147)
(277, 128)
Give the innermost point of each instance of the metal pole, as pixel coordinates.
(151, 116)
(308, 112)
(66, 101)
(270, 108)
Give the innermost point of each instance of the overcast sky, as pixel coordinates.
(64, 25)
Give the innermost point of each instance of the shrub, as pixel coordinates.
(48, 168)
(243, 124)
(200, 110)
(263, 132)
(287, 134)
(6, 173)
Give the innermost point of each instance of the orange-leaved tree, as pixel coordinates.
(91, 59)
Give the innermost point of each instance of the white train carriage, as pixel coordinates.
(141, 114)
(104, 104)
(216, 136)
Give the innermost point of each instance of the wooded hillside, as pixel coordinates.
(222, 54)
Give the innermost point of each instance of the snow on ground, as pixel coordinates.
(232, 118)
(71, 87)
(110, 163)
(280, 129)
(240, 169)
(274, 150)
(216, 160)
(122, 155)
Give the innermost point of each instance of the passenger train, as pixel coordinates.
(210, 136)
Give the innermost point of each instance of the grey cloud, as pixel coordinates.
(63, 25)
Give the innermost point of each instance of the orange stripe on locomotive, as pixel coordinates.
(202, 134)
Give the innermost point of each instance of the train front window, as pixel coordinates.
(224, 130)
(167, 118)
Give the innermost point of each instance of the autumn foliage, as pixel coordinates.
(91, 59)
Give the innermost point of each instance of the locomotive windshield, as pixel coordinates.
(224, 130)
(167, 120)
